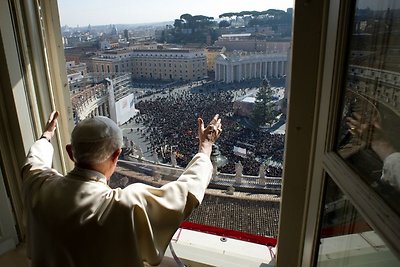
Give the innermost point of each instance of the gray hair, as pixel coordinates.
(94, 140)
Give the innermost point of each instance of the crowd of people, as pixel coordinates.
(167, 126)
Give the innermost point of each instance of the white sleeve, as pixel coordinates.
(40, 154)
(37, 167)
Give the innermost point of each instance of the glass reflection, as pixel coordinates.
(369, 131)
(346, 239)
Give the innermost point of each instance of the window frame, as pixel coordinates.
(32, 49)
(304, 86)
(317, 40)
(377, 213)
(308, 187)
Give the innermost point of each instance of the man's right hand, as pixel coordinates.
(208, 135)
(51, 126)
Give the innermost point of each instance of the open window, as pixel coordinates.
(155, 80)
(349, 215)
(320, 186)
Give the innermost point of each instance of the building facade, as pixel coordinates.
(112, 98)
(171, 64)
(249, 43)
(163, 64)
(238, 67)
(114, 61)
(212, 52)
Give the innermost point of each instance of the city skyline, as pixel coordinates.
(132, 12)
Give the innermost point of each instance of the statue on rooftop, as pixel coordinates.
(239, 172)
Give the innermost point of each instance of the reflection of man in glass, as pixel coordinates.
(381, 145)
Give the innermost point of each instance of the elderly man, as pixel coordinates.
(78, 220)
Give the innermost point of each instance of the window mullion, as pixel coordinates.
(371, 206)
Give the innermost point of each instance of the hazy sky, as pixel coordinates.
(101, 12)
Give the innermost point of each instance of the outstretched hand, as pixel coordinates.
(378, 142)
(208, 135)
(51, 126)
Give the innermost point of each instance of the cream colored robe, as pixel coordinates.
(78, 220)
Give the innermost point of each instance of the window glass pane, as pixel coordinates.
(370, 126)
(345, 238)
(234, 64)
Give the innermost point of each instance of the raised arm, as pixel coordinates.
(40, 155)
(208, 135)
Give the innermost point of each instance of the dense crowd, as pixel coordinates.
(169, 122)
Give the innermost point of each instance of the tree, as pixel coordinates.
(192, 29)
(187, 17)
(224, 24)
(178, 23)
(263, 111)
(227, 15)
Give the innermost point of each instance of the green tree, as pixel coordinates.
(192, 29)
(178, 23)
(224, 24)
(227, 15)
(263, 111)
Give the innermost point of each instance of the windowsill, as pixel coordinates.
(192, 247)
(15, 258)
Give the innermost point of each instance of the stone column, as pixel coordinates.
(263, 69)
(105, 109)
(249, 70)
(225, 73)
(101, 110)
(229, 72)
(284, 67)
(277, 68)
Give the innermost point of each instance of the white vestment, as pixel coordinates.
(78, 220)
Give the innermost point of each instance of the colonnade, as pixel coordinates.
(237, 69)
(93, 107)
(382, 85)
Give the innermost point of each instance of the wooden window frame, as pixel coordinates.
(306, 168)
(33, 83)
